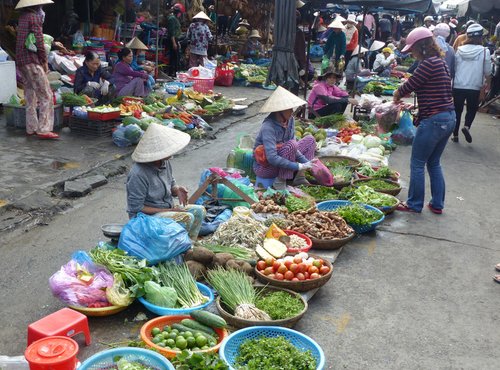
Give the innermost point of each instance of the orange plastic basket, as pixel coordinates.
(161, 321)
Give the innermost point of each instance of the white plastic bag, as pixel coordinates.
(368, 101)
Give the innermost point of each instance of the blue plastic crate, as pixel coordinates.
(230, 347)
(173, 87)
(163, 311)
(106, 359)
(332, 205)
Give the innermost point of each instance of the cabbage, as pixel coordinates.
(356, 139)
(118, 294)
(160, 295)
(371, 141)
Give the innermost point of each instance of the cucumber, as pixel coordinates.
(195, 325)
(183, 328)
(209, 319)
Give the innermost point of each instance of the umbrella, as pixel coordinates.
(284, 68)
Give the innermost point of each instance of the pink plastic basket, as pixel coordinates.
(203, 85)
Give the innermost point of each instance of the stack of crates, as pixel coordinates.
(15, 116)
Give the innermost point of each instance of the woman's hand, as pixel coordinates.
(181, 193)
(396, 96)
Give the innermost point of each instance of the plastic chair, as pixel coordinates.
(65, 322)
(262, 183)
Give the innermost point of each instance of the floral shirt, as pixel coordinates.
(199, 35)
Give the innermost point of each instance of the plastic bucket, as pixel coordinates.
(52, 353)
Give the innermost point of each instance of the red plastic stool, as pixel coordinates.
(65, 322)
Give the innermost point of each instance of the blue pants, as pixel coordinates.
(428, 145)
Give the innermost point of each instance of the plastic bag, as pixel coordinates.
(405, 133)
(78, 39)
(325, 64)
(321, 173)
(230, 194)
(160, 295)
(387, 115)
(80, 283)
(368, 101)
(209, 227)
(156, 239)
(118, 294)
(224, 75)
(316, 51)
(30, 42)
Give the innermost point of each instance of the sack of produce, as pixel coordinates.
(321, 173)
(405, 133)
(81, 284)
(387, 115)
(154, 238)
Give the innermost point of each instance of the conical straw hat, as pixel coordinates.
(338, 17)
(202, 15)
(377, 45)
(281, 100)
(244, 22)
(357, 51)
(254, 33)
(322, 28)
(336, 24)
(299, 4)
(159, 142)
(26, 3)
(137, 44)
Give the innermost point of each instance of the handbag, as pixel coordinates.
(260, 154)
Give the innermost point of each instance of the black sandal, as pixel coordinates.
(466, 133)
(454, 139)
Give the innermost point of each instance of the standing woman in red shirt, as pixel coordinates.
(431, 82)
(33, 67)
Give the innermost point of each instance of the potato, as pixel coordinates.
(232, 264)
(196, 269)
(188, 256)
(245, 267)
(203, 255)
(221, 259)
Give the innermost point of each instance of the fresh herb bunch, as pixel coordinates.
(341, 171)
(198, 361)
(273, 354)
(384, 173)
(380, 185)
(330, 121)
(320, 193)
(356, 214)
(365, 194)
(347, 192)
(280, 305)
(294, 204)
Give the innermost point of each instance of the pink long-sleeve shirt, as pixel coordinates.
(322, 88)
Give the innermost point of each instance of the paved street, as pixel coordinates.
(417, 294)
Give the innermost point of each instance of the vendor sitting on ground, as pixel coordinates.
(326, 97)
(277, 154)
(384, 62)
(151, 185)
(127, 81)
(356, 67)
(139, 62)
(252, 49)
(92, 80)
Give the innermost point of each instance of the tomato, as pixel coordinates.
(289, 275)
(294, 268)
(312, 270)
(268, 271)
(324, 270)
(302, 267)
(276, 265)
(271, 276)
(297, 259)
(288, 264)
(295, 279)
(278, 276)
(314, 276)
(300, 276)
(261, 265)
(307, 275)
(282, 269)
(269, 261)
(318, 263)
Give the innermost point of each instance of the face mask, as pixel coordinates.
(41, 13)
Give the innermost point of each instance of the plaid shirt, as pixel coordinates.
(30, 22)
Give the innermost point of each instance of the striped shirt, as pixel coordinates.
(30, 21)
(432, 84)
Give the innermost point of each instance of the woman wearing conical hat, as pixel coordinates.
(278, 155)
(151, 185)
(253, 47)
(199, 36)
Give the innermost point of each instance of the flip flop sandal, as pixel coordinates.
(497, 267)
(434, 210)
(467, 135)
(403, 207)
(496, 278)
(48, 136)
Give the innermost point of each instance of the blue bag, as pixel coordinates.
(210, 227)
(156, 239)
(316, 51)
(405, 133)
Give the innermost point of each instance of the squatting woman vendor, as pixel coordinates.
(151, 186)
(127, 81)
(277, 154)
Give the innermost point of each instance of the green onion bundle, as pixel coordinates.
(178, 277)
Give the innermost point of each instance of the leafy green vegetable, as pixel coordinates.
(320, 193)
(160, 295)
(341, 171)
(356, 214)
(380, 185)
(123, 364)
(330, 121)
(347, 192)
(280, 305)
(365, 194)
(71, 100)
(198, 361)
(294, 203)
(273, 354)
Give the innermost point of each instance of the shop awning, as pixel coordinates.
(418, 6)
(484, 6)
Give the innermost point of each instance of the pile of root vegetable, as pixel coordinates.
(320, 224)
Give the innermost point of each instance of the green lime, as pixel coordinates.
(172, 335)
(191, 342)
(212, 343)
(157, 339)
(161, 344)
(205, 347)
(195, 349)
(181, 342)
(201, 340)
(167, 328)
(170, 342)
(155, 331)
(175, 331)
(187, 334)
(176, 349)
